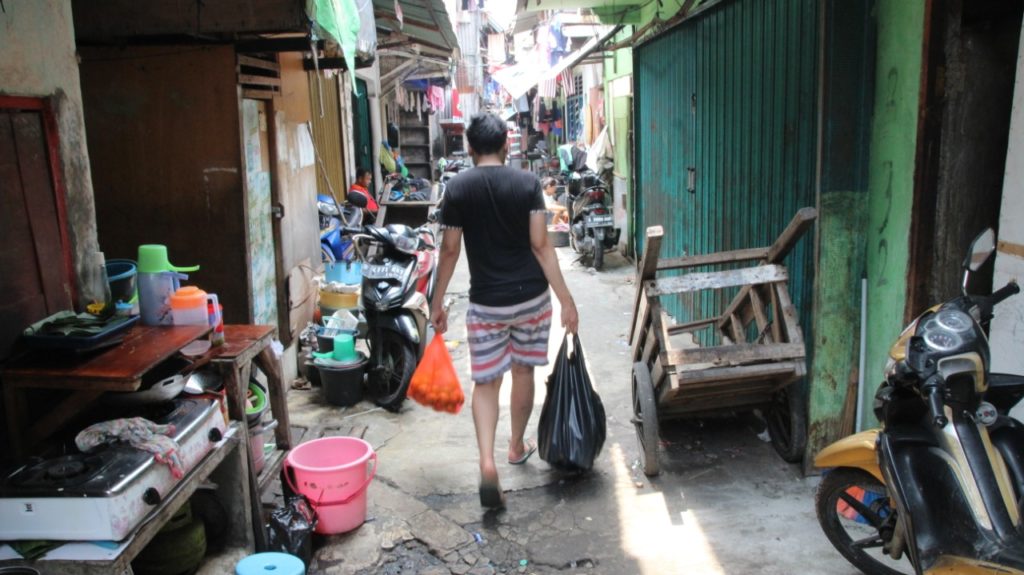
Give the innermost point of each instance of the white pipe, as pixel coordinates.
(858, 425)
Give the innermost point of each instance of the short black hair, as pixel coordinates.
(486, 133)
(549, 181)
(360, 172)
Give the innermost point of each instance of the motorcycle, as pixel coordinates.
(398, 267)
(941, 482)
(449, 170)
(590, 218)
(333, 244)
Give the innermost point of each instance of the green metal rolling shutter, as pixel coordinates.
(733, 94)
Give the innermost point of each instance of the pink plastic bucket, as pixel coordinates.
(333, 473)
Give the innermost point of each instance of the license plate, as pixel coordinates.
(383, 271)
(599, 221)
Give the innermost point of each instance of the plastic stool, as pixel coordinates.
(270, 564)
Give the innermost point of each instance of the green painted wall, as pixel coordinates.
(848, 71)
(620, 62)
(615, 12)
(891, 180)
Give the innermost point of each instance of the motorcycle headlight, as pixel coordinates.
(406, 244)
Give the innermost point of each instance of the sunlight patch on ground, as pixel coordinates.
(648, 532)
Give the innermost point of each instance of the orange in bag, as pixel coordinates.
(435, 383)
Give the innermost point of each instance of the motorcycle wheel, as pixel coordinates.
(851, 505)
(389, 380)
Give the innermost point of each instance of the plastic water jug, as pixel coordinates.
(155, 291)
(158, 280)
(189, 306)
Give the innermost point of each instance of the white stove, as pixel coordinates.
(104, 495)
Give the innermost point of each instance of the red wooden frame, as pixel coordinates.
(45, 107)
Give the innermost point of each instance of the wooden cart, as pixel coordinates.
(761, 351)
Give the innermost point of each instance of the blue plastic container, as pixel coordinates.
(266, 563)
(344, 272)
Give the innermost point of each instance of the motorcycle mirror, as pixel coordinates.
(981, 249)
(358, 200)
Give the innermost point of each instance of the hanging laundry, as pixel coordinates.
(436, 95)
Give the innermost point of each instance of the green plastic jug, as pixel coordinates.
(153, 260)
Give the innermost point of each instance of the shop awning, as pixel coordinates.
(578, 56)
(423, 22)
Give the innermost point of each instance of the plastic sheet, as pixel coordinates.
(572, 424)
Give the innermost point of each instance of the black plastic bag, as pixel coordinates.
(572, 422)
(291, 528)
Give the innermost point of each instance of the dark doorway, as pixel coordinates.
(968, 84)
(361, 128)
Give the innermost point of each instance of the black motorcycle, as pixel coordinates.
(590, 217)
(398, 266)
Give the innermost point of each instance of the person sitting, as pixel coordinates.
(362, 187)
(559, 213)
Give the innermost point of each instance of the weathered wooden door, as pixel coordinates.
(262, 255)
(35, 279)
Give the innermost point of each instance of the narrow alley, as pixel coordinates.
(724, 504)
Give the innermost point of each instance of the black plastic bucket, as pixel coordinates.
(343, 386)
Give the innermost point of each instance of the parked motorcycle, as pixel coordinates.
(334, 246)
(590, 217)
(941, 483)
(398, 267)
(449, 170)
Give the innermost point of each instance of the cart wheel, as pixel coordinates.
(787, 422)
(645, 418)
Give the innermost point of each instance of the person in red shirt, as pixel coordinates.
(361, 186)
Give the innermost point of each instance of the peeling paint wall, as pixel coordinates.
(847, 96)
(891, 181)
(37, 58)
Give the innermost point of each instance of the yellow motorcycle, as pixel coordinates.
(938, 488)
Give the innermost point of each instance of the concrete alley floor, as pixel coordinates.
(724, 502)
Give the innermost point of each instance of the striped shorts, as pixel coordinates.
(499, 336)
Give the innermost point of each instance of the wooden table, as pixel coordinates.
(119, 368)
(245, 345)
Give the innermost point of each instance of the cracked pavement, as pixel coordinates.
(724, 502)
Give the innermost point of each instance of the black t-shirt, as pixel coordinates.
(492, 206)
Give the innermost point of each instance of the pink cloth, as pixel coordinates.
(436, 96)
(138, 432)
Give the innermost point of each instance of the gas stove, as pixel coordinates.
(105, 494)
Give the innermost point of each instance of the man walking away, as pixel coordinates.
(500, 211)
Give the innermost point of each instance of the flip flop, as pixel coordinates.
(531, 446)
(491, 495)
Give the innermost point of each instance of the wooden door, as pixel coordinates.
(35, 276)
(261, 237)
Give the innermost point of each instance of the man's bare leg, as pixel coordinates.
(520, 408)
(485, 419)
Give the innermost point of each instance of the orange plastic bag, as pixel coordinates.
(435, 383)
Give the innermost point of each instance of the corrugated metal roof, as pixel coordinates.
(425, 22)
